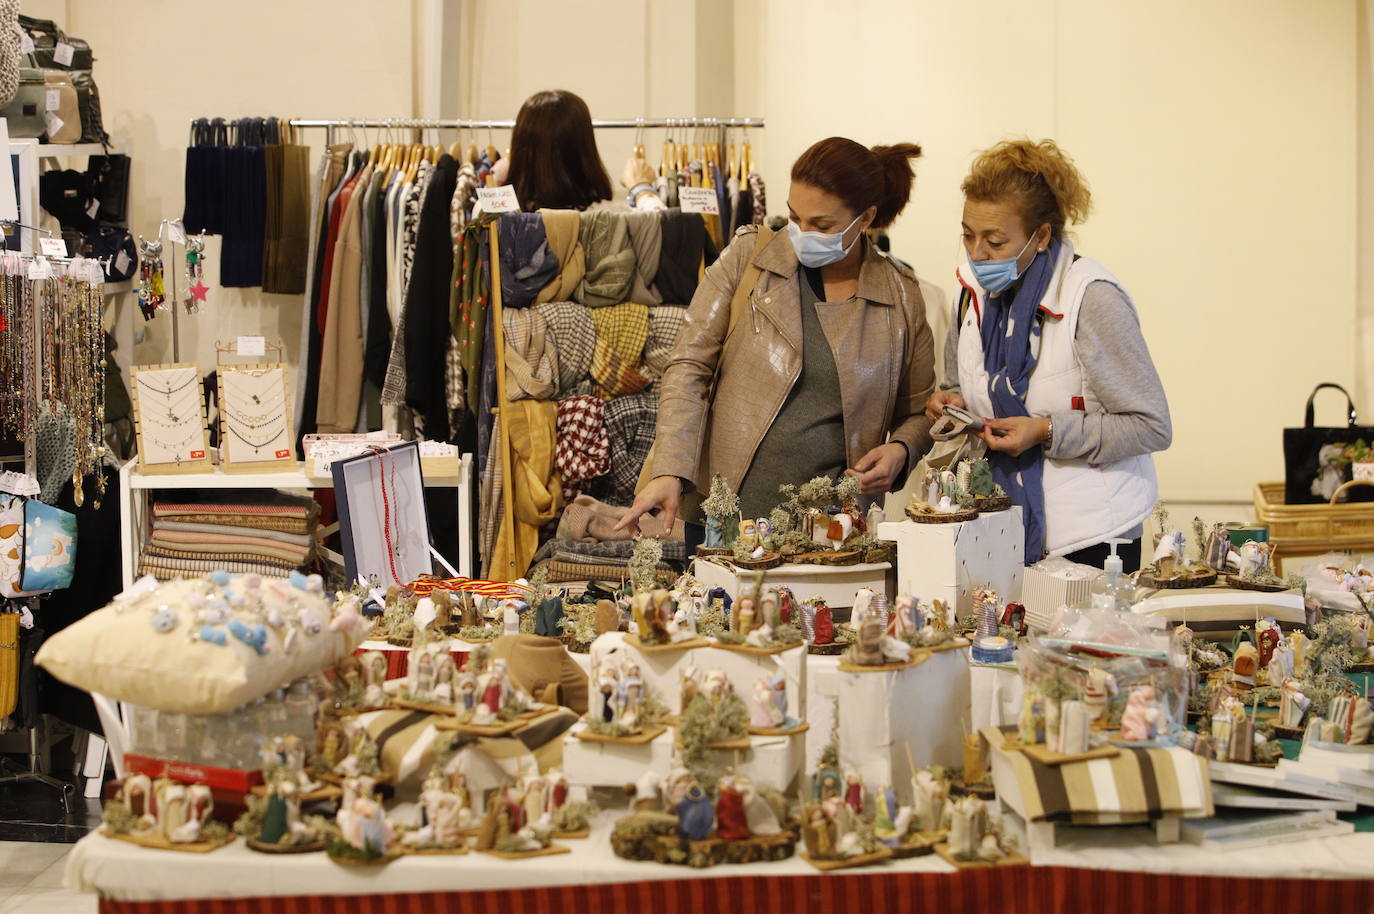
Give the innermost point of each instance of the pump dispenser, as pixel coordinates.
(1111, 590)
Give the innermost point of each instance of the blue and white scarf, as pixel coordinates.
(1009, 327)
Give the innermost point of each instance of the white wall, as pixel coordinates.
(1219, 140)
(162, 63)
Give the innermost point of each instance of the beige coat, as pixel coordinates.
(881, 343)
(341, 353)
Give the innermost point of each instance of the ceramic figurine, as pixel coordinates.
(743, 614)
(763, 713)
(1140, 722)
(695, 816)
(906, 618)
(731, 824)
(1075, 726)
(1298, 641)
(1218, 548)
(975, 758)
(929, 795)
(986, 604)
(787, 607)
(494, 688)
(967, 825)
(759, 815)
(884, 817)
(823, 627)
(853, 790)
(1097, 692)
(1245, 662)
(868, 649)
(1293, 704)
(1269, 637)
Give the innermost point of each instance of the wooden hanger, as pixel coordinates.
(455, 150)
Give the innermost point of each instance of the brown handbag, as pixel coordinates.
(68, 109)
(9, 663)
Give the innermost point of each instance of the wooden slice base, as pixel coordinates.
(845, 863)
(769, 560)
(671, 647)
(501, 728)
(1009, 860)
(526, 855)
(263, 847)
(434, 851)
(918, 845)
(634, 739)
(983, 789)
(376, 861)
(957, 644)
(918, 657)
(158, 842)
(831, 558)
(774, 731)
(1236, 582)
(935, 517)
(573, 835)
(327, 792)
(828, 650)
(425, 706)
(777, 648)
(1045, 757)
(1187, 582)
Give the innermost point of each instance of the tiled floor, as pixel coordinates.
(31, 880)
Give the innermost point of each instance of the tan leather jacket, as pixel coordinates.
(882, 346)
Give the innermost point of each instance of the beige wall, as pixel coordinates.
(1219, 140)
(161, 63)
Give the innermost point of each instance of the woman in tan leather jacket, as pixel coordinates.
(814, 342)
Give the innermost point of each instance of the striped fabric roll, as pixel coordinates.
(1135, 786)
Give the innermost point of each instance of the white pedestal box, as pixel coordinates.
(923, 708)
(836, 584)
(772, 760)
(948, 561)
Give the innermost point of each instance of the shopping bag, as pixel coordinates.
(1316, 458)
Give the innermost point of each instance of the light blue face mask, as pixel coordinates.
(820, 249)
(996, 276)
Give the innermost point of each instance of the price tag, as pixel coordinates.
(176, 234)
(39, 268)
(52, 99)
(498, 199)
(55, 123)
(197, 455)
(282, 455)
(121, 262)
(25, 43)
(62, 54)
(93, 209)
(251, 345)
(53, 247)
(699, 200)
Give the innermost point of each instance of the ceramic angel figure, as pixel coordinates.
(1141, 719)
(1293, 704)
(444, 673)
(423, 678)
(137, 794)
(171, 811)
(763, 714)
(1097, 692)
(929, 795)
(906, 619)
(968, 822)
(494, 688)
(758, 814)
(374, 679)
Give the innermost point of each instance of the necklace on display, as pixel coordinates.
(257, 446)
(392, 550)
(143, 380)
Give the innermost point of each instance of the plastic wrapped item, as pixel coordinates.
(230, 740)
(1340, 581)
(1130, 680)
(1052, 583)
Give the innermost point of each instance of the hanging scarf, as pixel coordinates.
(527, 264)
(610, 259)
(1008, 329)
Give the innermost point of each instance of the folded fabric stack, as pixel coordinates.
(268, 534)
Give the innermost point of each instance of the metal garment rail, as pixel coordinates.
(631, 123)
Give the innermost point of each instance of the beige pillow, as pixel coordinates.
(206, 645)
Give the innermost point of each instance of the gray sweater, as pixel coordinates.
(1117, 368)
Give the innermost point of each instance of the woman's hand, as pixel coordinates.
(1014, 435)
(662, 492)
(637, 171)
(935, 406)
(879, 468)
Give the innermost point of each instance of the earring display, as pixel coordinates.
(152, 293)
(195, 274)
(169, 419)
(254, 416)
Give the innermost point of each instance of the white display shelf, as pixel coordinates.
(293, 479)
(118, 145)
(835, 584)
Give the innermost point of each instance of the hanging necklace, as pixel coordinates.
(255, 445)
(167, 389)
(386, 510)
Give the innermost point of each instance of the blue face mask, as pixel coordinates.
(996, 276)
(820, 249)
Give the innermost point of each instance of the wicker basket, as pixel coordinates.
(1313, 529)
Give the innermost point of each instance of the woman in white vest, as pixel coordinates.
(1045, 345)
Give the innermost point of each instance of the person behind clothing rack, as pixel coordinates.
(828, 363)
(554, 162)
(1048, 344)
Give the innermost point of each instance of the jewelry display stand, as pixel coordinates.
(169, 419)
(382, 518)
(255, 430)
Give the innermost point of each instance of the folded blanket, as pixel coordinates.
(631, 423)
(255, 521)
(610, 259)
(295, 539)
(263, 548)
(574, 337)
(586, 520)
(563, 231)
(152, 550)
(164, 508)
(621, 332)
(583, 451)
(614, 551)
(170, 569)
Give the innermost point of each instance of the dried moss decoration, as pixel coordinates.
(711, 621)
(701, 725)
(643, 564)
(1200, 539)
(787, 634)
(398, 617)
(118, 817)
(830, 755)
(539, 584)
(1057, 686)
(1329, 656)
(651, 712)
(574, 816)
(1161, 515)
(721, 503)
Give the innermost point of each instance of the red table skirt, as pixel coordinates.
(1009, 890)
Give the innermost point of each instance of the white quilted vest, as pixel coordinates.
(1085, 503)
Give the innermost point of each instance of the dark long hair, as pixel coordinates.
(879, 177)
(553, 159)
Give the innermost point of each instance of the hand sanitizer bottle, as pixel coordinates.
(1111, 590)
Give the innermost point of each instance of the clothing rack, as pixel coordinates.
(629, 123)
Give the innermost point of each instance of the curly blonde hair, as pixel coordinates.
(1038, 176)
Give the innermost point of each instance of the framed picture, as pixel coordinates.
(383, 522)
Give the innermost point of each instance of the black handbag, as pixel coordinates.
(108, 177)
(1315, 464)
(108, 241)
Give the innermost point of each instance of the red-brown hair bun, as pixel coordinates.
(880, 177)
